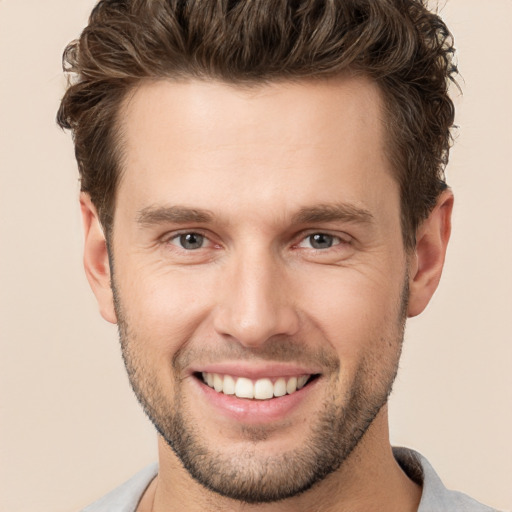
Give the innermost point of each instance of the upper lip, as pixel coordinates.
(253, 371)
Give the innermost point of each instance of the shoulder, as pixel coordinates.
(435, 496)
(126, 497)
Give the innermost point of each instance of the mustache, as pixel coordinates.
(279, 350)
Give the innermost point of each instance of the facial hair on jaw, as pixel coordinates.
(250, 478)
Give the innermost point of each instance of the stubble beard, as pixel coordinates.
(251, 477)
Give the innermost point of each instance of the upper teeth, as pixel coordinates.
(261, 389)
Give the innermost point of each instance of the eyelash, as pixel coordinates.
(335, 240)
(177, 237)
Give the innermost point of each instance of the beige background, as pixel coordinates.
(70, 429)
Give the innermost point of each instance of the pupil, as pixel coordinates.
(191, 241)
(321, 241)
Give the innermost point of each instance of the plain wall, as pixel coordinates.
(70, 428)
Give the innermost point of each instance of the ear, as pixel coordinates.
(96, 263)
(426, 264)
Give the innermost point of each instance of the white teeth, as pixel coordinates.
(244, 388)
(218, 382)
(261, 389)
(280, 387)
(229, 385)
(291, 385)
(301, 381)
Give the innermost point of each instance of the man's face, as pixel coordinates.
(257, 249)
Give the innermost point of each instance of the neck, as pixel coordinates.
(369, 480)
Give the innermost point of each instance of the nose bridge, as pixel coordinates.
(255, 305)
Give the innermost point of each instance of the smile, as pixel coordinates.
(260, 389)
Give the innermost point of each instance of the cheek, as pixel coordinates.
(355, 311)
(163, 307)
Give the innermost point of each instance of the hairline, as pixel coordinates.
(252, 84)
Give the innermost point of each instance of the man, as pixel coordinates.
(264, 205)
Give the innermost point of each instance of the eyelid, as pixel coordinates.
(336, 241)
(344, 238)
(169, 237)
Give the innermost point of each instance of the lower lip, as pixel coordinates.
(255, 412)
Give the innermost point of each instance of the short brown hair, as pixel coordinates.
(406, 49)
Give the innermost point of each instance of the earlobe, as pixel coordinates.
(426, 264)
(96, 261)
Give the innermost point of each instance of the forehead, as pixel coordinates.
(210, 113)
(216, 144)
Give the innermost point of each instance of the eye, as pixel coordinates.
(189, 241)
(320, 241)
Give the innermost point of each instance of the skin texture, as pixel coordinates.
(256, 172)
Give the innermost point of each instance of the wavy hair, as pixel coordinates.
(401, 45)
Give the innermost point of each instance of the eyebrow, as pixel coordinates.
(172, 214)
(332, 213)
(307, 215)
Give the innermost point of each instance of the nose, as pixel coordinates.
(254, 302)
